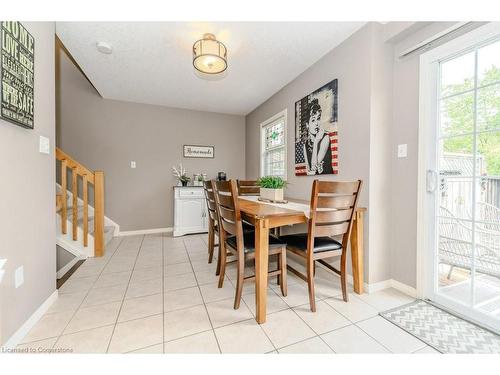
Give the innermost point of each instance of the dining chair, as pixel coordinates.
(248, 187)
(242, 243)
(213, 228)
(332, 209)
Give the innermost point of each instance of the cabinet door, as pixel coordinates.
(191, 214)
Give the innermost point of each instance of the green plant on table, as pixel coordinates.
(271, 182)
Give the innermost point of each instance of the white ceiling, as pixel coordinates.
(152, 61)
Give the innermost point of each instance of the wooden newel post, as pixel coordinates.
(99, 213)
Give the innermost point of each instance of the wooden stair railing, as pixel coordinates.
(95, 178)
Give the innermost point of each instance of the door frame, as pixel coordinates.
(428, 93)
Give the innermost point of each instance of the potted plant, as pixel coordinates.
(271, 187)
(181, 175)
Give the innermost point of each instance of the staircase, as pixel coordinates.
(82, 228)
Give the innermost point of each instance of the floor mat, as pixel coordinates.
(442, 330)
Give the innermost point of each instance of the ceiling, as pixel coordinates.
(152, 61)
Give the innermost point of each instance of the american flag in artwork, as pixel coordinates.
(300, 158)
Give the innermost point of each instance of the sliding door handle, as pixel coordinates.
(431, 181)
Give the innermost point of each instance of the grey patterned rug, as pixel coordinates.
(444, 332)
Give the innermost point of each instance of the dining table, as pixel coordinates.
(266, 216)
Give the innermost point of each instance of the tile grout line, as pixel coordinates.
(203, 299)
(83, 300)
(163, 293)
(126, 289)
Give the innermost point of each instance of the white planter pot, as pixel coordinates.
(271, 194)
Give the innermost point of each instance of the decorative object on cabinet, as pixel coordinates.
(181, 175)
(316, 125)
(271, 188)
(195, 151)
(198, 179)
(190, 210)
(221, 176)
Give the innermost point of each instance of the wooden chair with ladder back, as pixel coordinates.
(248, 187)
(332, 210)
(242, 243)
(213, 221)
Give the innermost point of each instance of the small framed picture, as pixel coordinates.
(195, 151)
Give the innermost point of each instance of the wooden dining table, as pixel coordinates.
(264, 217)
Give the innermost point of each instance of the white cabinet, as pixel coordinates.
(190, 210)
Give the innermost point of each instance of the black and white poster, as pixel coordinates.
(316, 123)
(17, 74)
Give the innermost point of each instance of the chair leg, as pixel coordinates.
(219, 256)
(211, 241)
(343, 274)
(310, 284)
(222, 263)
(314, 268)
(282, 276)
(280, 267)
(239, 283)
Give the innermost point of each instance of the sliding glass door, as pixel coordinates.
(463, 176)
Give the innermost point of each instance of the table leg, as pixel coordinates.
(357, 252)
(261, 267)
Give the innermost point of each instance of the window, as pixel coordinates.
(273, 146)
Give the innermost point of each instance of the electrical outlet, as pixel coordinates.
(133, 165)
(402, 150)
(19, 276)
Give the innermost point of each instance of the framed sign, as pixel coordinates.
(17, 74)
(194, 151)
(316, 126)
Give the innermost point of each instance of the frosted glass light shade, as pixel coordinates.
(209, 55)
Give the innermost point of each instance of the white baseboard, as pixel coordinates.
(67, 267)
(19, 335)
(381, 285)
(144, 231)
(391, 283)
(406, 289)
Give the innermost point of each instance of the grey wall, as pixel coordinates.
(27, 206)
(404, 172)
(358, 63)
(107, 134)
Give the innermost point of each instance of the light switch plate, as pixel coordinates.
(133, 165)
(402, 150)
(19, 276)
(44, 145)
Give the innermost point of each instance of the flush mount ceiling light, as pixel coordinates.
(104, 47)
(209, 55)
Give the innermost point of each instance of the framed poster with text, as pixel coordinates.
(17, 74)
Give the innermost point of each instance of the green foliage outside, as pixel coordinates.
(458, 118)
(271, 182)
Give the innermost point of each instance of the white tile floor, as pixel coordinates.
(158, 294)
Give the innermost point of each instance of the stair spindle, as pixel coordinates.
(85, 211)
(64, 187)
(74, 189)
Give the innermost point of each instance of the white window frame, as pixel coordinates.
(263, 125)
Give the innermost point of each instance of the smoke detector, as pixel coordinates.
(104, 47)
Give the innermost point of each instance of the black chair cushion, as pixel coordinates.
(321, 244)
(249, 242)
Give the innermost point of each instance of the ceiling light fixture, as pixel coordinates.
(209, 55)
